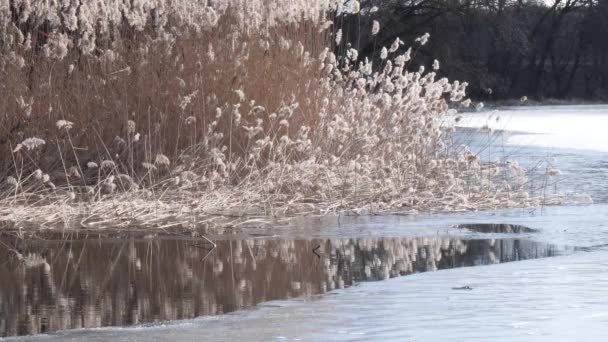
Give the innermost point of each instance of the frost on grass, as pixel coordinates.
(171, 109)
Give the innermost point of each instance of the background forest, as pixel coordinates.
(505, 48)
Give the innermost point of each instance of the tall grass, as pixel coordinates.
(136, 112)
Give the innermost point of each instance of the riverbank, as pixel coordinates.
(233, 208)
(490, 104)
(492, 178)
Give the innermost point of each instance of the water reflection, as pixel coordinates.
(500, 228)
(50, 285)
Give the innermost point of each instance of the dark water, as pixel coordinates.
(57, 283)
(500, 228)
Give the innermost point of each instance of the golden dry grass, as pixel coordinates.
(173, 120)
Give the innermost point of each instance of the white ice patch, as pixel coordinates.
(581, 127)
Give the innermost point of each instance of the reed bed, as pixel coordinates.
(178, 112)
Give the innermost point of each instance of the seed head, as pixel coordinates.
(190, 120)
(435, 65)
(422, 40)
(240, 94)
(107, 164)
(338, 37)
(395, 45)
(11, 180)
(130, 127)
(375, 27)
(148, 166)
(32, 143)
(383, 53)
(162, 159)
(355, 7)
(74, 172)
(61, 124)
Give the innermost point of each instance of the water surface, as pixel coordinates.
(74, 281)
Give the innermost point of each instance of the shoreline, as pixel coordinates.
(130, 213)
(514, 103)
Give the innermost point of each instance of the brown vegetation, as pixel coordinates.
(157, 116)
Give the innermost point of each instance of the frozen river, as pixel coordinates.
(312, 283)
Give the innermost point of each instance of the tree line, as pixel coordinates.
(505, 49)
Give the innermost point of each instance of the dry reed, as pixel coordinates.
(175, 112)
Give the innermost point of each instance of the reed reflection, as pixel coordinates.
(98, 281)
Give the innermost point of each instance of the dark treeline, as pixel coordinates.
(505, 49)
